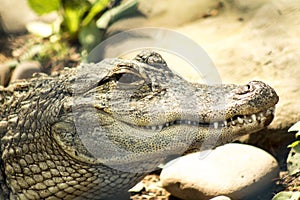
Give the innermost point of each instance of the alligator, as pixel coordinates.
(94, 131)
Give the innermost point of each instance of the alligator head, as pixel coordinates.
(140, 109)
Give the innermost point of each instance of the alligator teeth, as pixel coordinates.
(225, 123)
(247, 119)
(240, 120)
(233, 122)
(253, 117)
(258, 118)
(216, 124)
(269, 112)
(261, 114)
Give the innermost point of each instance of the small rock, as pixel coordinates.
(137, 188)
(25, 70)
(15, 22)
(221, 198)
(4, 74)
(234, 170)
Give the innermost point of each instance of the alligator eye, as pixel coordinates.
(128, 78)
(126, 75)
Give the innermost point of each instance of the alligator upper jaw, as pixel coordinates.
(265, 115)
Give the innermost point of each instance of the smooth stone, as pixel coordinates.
(234, 170)
(4, 74)
(25, 70)
(15, 14)
(221, 198)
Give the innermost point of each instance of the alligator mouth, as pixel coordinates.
(233, 121)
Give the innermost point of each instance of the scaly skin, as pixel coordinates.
(131, 113)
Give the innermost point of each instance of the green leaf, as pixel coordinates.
(287, 196)
(294, 144)
(73, 13)
(293, 160)
(90, 36)
(295, 127)
(97, 7)
(44, 6)
(114, 14)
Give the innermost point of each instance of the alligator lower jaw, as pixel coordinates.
(236, 120)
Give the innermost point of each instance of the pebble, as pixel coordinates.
(221, 198)
(25, 70)
(4, 74)
(234, 170)
(15, 22)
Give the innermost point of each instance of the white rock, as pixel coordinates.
(221, 198)
(233, 170)
(15, 14)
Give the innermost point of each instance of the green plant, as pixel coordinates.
(293, 160)
(80, 20)
(293, 166)
(287, 196)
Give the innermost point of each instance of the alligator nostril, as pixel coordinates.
(244, 89)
